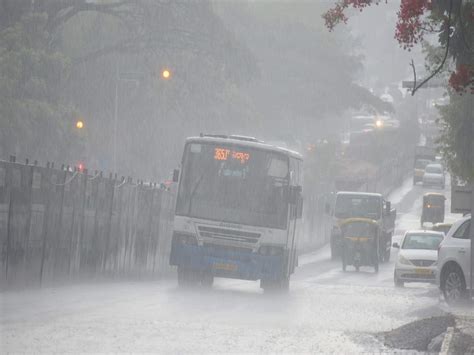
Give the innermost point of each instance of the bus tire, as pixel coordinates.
(186, 277)
(207, 280)
(271, 286)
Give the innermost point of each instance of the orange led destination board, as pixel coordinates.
(224, 154)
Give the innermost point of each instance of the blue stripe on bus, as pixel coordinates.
(231, 264)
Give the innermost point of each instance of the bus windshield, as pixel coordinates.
(357, 206)
(235, 184)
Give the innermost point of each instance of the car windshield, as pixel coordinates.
(421, 163)
(433, 169)
(235, 184)
(357, 206)
(423, 241)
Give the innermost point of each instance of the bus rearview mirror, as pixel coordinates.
(175, 175)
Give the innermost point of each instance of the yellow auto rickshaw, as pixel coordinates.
(433, 208)
(360, 243)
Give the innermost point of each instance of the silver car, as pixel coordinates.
(434, 175)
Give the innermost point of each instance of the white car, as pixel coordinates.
(434, 175)
(454, 262)
(417, 257)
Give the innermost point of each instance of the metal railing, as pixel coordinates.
(62, 224)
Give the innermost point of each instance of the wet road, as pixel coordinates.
(326, 310)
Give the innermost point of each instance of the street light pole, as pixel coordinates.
(472, 205)
(135, 77)
(116, 117)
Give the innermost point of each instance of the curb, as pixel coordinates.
(448, 337)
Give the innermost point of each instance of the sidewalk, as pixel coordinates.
(462, 341)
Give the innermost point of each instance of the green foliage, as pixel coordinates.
(457, 132)
(32, 116)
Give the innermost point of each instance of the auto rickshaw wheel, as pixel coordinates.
(376, 263)
(343, 258)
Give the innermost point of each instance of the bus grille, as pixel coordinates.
(228, 234)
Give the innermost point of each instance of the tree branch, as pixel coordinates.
(74, 8)
(441, 65)
(414, 74)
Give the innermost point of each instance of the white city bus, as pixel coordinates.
(238, 211)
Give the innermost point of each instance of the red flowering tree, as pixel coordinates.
(453, 20)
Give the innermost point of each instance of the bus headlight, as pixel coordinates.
(184, 239)
(270, 250)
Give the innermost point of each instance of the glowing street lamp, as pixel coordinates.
(80, 124)
(165, 74)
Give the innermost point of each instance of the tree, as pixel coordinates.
(453, 22)
(78, 47)
(302, 69)
(32, 116)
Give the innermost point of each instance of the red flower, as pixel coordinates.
(462, 78)
(408, 30)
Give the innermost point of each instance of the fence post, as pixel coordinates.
(118, 241)
(45, 220)
(59, 222)
(10, 216)
(29, 212)
(83, 217)
(149, 229)
(109, 222)
(71, 227)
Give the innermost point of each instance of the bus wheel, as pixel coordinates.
(285, 284)
(186, 277)
(275, 285)
(207, 280)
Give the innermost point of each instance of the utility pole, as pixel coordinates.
(135, 77)
(117, 78)
(472, 203)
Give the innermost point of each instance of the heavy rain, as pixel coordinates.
(245, 176)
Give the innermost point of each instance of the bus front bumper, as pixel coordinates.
(228, 263)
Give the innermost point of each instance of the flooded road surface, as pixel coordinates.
(326, 310)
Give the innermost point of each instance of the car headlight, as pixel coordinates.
(403, 260)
